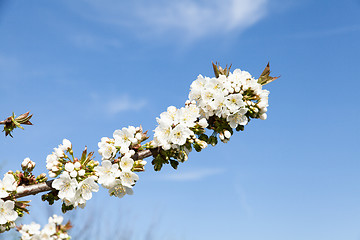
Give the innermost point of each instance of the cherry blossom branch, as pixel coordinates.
(47, 186)
(223, 104)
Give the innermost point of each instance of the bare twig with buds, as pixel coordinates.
(13, 122)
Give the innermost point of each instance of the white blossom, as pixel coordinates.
(66, 145)
(126, 163)
(30, 231)
(86, 187)
(56, 219)
(118, 190)
(106, 148)
(128, 179)
(238, 118)
(59, 152)
(7, 212)
(180, 134)
(124, 138)
(66, 186)
(8, 184)
(107, 173)
(203, 123)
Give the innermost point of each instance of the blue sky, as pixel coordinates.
(86, 68)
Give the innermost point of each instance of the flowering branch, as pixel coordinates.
(223, 104)
(47, 186)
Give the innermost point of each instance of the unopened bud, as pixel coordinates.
(73, 174)
(263, 116)
(201, 143)
(81, 172)
(227, 134)
(52, 174)
(77, 165)
(41, 178)
(138, 136)
(221, 136)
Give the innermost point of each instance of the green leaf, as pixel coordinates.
(174, 163)
(203, 137)
(158, 162)
(240, 128)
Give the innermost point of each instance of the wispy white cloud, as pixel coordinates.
(94, 42)
(115, 104)
(194, 175)
(187, 18)
(125, 103)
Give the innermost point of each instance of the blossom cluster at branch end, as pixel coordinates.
(54, 230)
(222, 104)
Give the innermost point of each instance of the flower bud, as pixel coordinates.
(77, 165)
(41, 178)
(138, 136)
(52, 174)
(201, 143)
(27, 165)
(25, 162)
(69, 167)
(263, 116)
(73, 174)
(227, 134)
(221, 136)
(81, 172)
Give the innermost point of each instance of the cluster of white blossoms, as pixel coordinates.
(54, 161)
(175, 126)
(230, 97)
(73, 192)
(78, 179)
(54, 230)
(116, 174)
(74, 187)
(8, 214)
(221, 104)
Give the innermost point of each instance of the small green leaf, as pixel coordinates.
(158, 162)
(203, 137)
(240, 128)
(174, 163)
